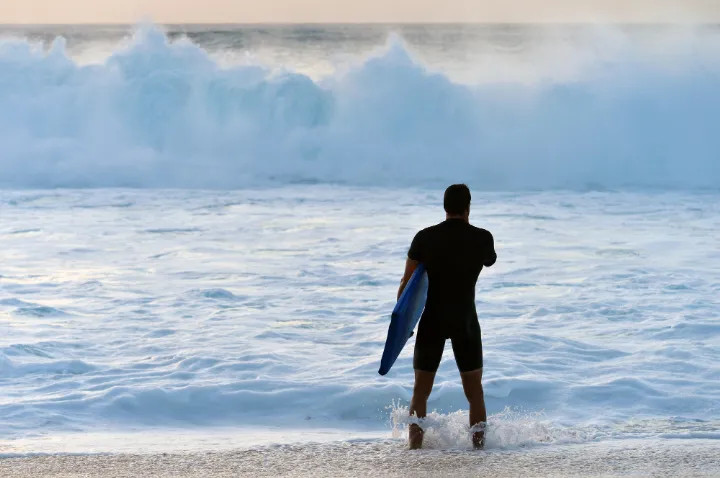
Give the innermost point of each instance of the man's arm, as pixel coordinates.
(414, 258)
(410, 266)
(490, 254)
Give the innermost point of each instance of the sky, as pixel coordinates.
(356, 11)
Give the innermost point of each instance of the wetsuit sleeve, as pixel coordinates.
(490, 255)
(417, 249)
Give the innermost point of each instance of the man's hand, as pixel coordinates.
(410, 266)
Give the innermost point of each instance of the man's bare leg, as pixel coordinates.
(472, 384)
(418, 405)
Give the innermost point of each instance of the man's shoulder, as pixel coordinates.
(429, 230)
(422, 240)
(480, 232)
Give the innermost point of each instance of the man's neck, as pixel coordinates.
(458, 217)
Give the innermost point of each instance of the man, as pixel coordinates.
(453, 252)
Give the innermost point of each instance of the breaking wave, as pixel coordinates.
(161, 113)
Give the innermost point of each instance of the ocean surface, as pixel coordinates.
(202, 231)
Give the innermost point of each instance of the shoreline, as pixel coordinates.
(390, 458)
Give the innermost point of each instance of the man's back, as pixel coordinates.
(454, 253)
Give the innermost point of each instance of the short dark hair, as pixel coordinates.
(457, 199)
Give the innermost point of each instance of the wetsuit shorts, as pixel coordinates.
(466, 341)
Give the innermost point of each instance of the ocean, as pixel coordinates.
(203, 229)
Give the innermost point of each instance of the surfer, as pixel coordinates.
(453, 252)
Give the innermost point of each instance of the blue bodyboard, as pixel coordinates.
(405, 316)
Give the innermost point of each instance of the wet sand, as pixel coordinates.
(678, 458)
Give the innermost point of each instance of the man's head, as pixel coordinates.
(457, 201)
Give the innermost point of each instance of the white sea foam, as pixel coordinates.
(156, 113)
(268, 309)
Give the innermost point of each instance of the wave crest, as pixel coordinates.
(165, 114)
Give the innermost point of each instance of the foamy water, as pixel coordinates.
(158, 311)
(249, 305)
(601, 109)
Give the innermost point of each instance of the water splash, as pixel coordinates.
(161, 113)
(507, 429)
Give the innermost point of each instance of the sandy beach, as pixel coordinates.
(680, 458)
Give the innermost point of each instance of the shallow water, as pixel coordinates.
(157, 311)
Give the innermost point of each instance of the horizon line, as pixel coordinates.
(364, 23)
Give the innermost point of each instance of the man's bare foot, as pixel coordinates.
(478, 439)
(415, 435)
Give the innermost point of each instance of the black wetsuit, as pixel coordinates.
(453, 252)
